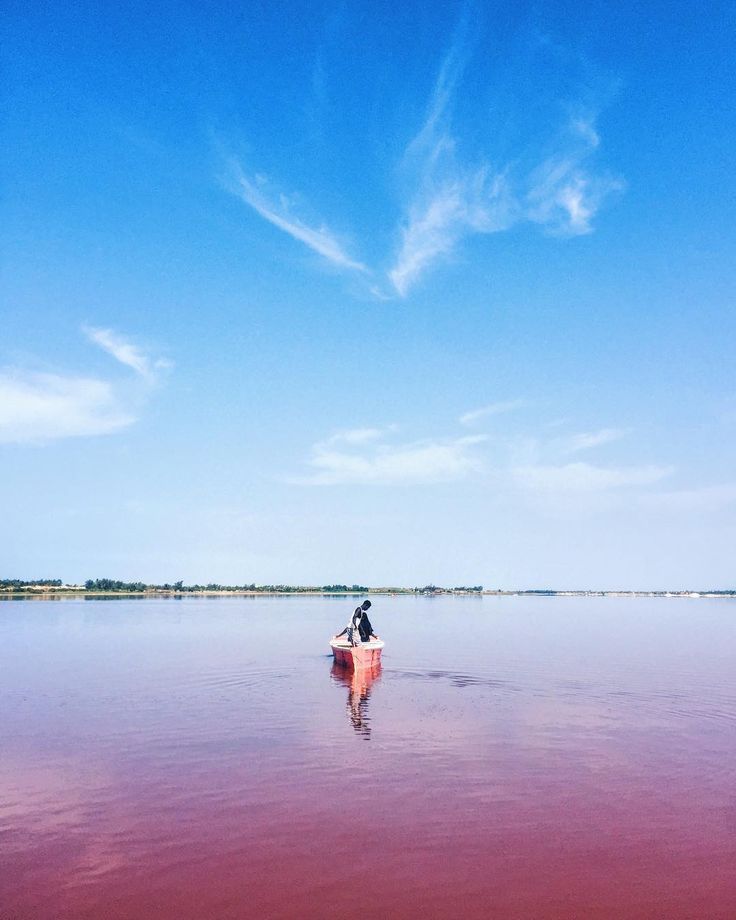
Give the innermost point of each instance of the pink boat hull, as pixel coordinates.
(366, 655)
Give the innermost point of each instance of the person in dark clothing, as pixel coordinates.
(359, 628)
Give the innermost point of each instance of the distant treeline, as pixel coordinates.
(435, 589)
(133, 587)
(116, 586)
(109, 584)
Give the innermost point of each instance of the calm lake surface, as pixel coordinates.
(514, 758)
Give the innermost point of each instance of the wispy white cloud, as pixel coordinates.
(359, 435)
(497, 408)
(701, 499)
(540, 465)
(584, 477)
(277, 211)
(442, 95)
(44, 407)
(584, 125)
(416, 463)
(37, 408)
(443, 212)
(588, 439)
(126, 352)
(453, 199)
(523, 462)
(564, 196)
(543, 177)
(525, 466)
(450, 200)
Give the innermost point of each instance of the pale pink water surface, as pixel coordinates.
(513, 758)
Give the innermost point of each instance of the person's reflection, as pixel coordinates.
(359, 683)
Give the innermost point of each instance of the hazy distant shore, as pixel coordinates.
(42, 591)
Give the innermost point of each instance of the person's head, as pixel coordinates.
(365, 605)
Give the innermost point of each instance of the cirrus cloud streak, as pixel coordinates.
(546, 176)
(319, 239)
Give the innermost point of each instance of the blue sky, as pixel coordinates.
(387, 293)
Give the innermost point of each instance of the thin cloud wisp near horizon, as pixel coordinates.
(375, 462)
(535, 470)
(36, 408)
(496, 408)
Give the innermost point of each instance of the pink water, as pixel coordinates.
(514, 758)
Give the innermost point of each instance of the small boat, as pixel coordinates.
(365, 655)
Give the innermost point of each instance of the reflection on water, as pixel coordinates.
(529, 758)
(359, 682)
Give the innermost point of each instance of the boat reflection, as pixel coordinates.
(359, 683)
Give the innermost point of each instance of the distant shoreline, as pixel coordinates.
(46, 592)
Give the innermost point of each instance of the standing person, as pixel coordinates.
(359, 628)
